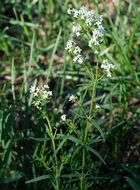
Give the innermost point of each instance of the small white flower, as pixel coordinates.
(37, 104)
(82, 16)
(93, 41)
(105, 61)
(45, 92)
(75, 58)
(89, 21)
(80, 60)
(46, 86)
(99, 17)
(45, 96)
(77, 34)
(96, 52)
(98, 23)
(69, 11)
(102, 30)
(63, 117)
(75, 14)
(109, 74)
(49, 93)
(77, 49)
(97, 106)
(38, 89)
(35, 94)
(96, 43)
(72, 98)
(32, 89)
(75, 29)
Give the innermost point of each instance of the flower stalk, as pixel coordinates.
(88, 123)
(54, 149)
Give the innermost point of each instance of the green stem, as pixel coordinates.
(54, 149)
(82, 108)
(101, 77)
(44, 146)
(92, 98)
(91, 104)
(71, 126)
(88, 122)
(90, 73)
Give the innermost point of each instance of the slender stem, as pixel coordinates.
(90, 73)
(92, 98)
(93, 91)
(81, 108)
(71, 126)
(101, 77)
(54, 149)
(44, 145)
(92, 115)
(88, 122)
(91, 104)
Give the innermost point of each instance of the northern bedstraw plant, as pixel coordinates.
(87, 26)
(42, 96)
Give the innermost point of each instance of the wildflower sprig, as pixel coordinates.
(41, 95)
(107, 67)
(90, 27)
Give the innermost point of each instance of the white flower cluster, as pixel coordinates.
(83, 13)
(87, 24)
(71, 47)
(78, 58)
(70, 44)
(96, 37)
(37, 104)
(76, 30)
(40, 94)
(107, 67)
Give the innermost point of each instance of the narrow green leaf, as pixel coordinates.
(96, 153)
(73, 175)
(74, 139)
(13, 78)
(39, 139)
(133, 33)
(53, 54)
(1, 115)
(39, 178)
(60, 145)
(31, 52)
(99, 129)
(7, 149)
(14, 176)
(132, 183)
